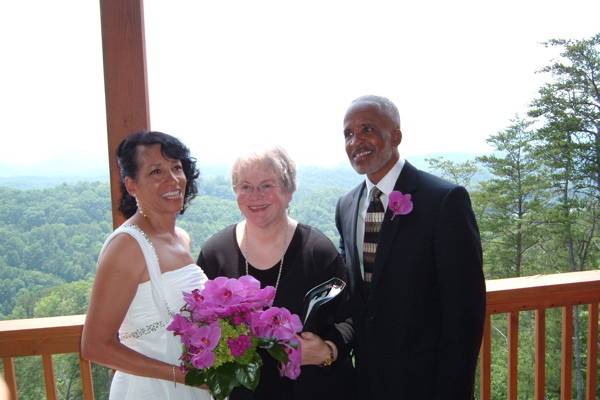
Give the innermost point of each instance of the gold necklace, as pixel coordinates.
(244, 240)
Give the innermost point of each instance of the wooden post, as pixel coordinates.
(10, 376)
(566, 368)
(87, 384)
(485, 360)
(49, 378)
(592, 351)
(513, 354)
(125, 80)
(540, 354)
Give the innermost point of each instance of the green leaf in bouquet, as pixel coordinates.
(249, 374)
(195, 377)
(278, 352)
(265, 343)
(222, 380)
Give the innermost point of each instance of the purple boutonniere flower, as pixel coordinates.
(400, 203)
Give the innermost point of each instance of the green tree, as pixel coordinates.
(568, 107)
(512, 201)
(461, 173)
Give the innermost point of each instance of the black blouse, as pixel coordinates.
(309, 260)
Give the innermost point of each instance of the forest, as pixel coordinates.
(537, 209)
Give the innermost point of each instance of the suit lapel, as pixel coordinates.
(354, 260)
(406, 183)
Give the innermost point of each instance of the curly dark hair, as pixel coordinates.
(170, 147)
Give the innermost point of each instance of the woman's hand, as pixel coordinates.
(179, 377)
(316, 351)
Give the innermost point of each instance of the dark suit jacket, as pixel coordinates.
(419, 330)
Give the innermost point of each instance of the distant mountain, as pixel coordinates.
(52, 173)
(45, 182)
(419, 160)
(73, 166)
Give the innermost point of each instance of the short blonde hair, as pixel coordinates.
(275, 158)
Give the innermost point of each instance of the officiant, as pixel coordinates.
(293, 258)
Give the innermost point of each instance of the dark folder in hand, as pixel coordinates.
(316, 299)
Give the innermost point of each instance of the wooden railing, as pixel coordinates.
(48, 336)
(43, 337)
(539, 293)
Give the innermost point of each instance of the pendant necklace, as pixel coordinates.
(246, 260)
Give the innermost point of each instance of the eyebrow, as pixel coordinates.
(170, 161)
(263, 181)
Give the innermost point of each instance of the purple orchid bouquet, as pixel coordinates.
(222, 326)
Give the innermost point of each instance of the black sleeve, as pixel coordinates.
(462, 290)
(217, 257)
(339, 328)
(211, 269)
(341, 331)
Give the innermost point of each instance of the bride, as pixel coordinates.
(143, 267)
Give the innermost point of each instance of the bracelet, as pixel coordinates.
(174, 381)
(329, 360)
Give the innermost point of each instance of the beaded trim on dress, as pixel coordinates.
(156, 325)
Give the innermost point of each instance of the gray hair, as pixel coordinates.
(275, 158)
(384, 104)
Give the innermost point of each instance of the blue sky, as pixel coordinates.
(227, 75)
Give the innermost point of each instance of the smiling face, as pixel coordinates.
(267, 205)
(372, 138)
(160, 182)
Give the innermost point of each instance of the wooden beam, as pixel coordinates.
(37, 336)
(542, 291)
(125, 80)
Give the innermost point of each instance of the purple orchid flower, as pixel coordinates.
(255, 297)
(204, 339)
(223, 291)
(179, 325)
(292, 368)
(400, 203)
(275, 322)
(203, 359)
(194, 299)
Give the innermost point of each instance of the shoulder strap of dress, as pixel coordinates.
(152, 265)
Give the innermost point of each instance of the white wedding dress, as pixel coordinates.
(144, 326)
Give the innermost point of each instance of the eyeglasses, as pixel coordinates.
(245, 189)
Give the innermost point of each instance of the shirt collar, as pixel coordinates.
(387, 183)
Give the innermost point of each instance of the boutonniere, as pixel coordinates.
(400, 203)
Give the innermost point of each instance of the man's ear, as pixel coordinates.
(130, 185)
(396, 136)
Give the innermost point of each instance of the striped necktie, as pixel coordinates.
(373, 222)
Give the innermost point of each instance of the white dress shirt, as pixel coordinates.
(385, 185)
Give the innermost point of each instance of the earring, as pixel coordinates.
(137, 203)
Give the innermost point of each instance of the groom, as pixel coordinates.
(415, 265)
